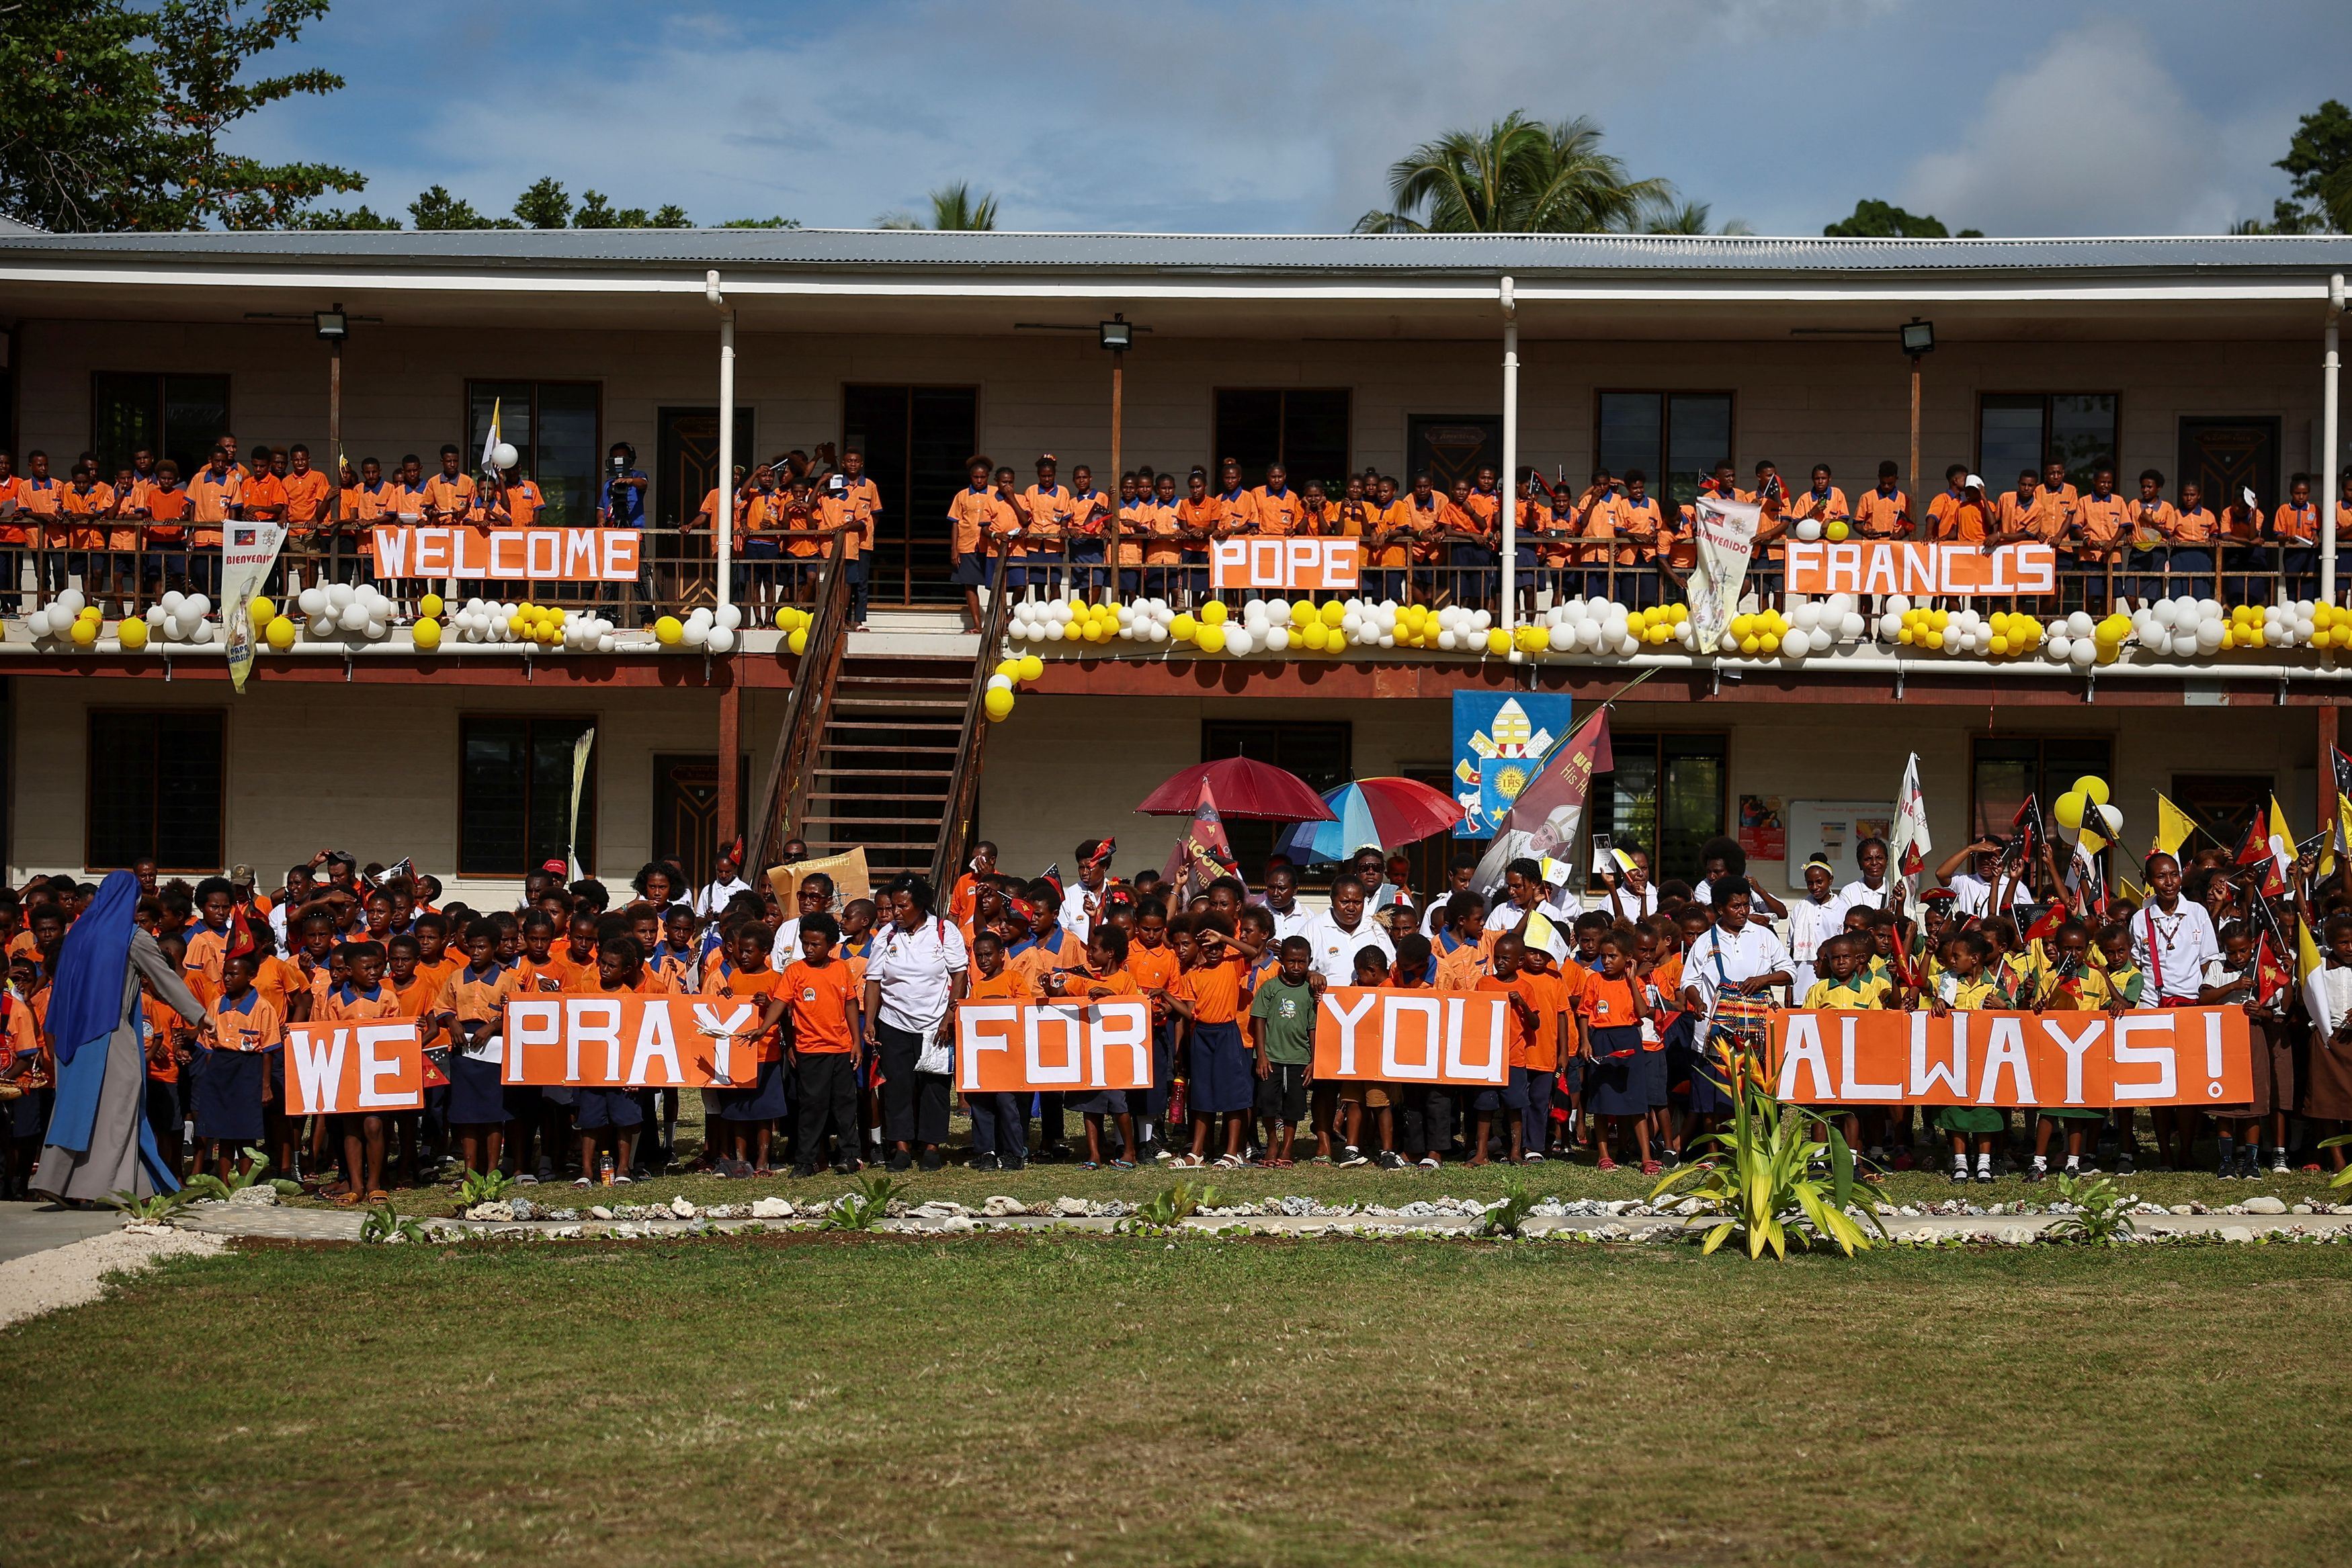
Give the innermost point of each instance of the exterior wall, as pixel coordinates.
(1799, 400)
(373, 771)
(1065, 768)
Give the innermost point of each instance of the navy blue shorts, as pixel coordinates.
(228, 1093)
(763, 1102)
(598, 1108)
(28, 1113)
(477, 1098)
(970, 571)
(1222, 1079)
(162, 1107)
(1098, 1102)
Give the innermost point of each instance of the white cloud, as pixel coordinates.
(2094, 137)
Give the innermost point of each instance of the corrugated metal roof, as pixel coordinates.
(919, 250)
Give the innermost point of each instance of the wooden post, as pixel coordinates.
(2326, 801)
(1118, 395)
(1913, 479)
(730, 743)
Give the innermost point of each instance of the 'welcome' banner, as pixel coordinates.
(1009, 1048)
(631, 1042)
(1918, 566)
(507, 555)
(334, 1069)
(2169, 1056)
(1391, 1035)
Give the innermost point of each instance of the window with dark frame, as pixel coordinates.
(1675, 438)
(1667, 794)
(556, 429)
(1305, 430)
(2005, 768)
(2221, 804)
(2016, 430)
(1322, 753)
(170, 415)
(514, 794)
(154, 786)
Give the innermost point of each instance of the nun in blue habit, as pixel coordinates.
(98, 1142)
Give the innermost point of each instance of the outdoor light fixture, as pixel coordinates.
(1918, 337)
(333, 325)
(1117, 335)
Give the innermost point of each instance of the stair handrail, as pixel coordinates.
(785, 797)
(963, 786)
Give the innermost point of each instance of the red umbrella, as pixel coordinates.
(1382, 812)
(1243, 788)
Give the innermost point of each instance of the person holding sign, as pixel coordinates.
(1104, 973)
(473, 1009)
(2172, 939)
(818, 994)
(747, 1116)
(2063, 977)
(1965, 990)
(1000, 1121)
(363, 997)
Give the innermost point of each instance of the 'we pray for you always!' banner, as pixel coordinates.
(2151, 1056)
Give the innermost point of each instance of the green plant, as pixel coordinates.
(157, 1205)
(2344, 1177)
(386, 1223)
(2101, 1211)
(205, 1184)
(858, 1210)
(1506, 1217)
(1168, 1208)
(1761, 1180)
(483, 1186)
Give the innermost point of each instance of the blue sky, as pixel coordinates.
(1197, 115)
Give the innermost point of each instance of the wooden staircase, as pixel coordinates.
(878, 751)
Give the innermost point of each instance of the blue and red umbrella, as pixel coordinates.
(1380, 814)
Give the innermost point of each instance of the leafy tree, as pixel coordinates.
(345, 218)
(437, 209)
(545, 206)
(2319, 157)
(1517, 176)
(114, 114)
(952, 207)
(596, 212)
(1687, 218)
(1874, 219)
(761, 224)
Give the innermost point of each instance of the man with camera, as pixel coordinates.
(624, 507)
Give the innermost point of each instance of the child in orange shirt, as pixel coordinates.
(362, 998)
(747, 1115)
(1105, 975)
(232, 1087)
(1152, 959)
(1525, 1023)
(472, 1008)
(1208, 997)
(1000, 1122)
(169, 1044)
(1624, 1076)
(824, 995)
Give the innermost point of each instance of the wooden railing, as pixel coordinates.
(963, 789)
(785, 796)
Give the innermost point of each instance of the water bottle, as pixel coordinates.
(605, 1170)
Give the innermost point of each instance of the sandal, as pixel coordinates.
(379, 1195)
(1122, 1165)
(346, 1199)
(1089, 1164)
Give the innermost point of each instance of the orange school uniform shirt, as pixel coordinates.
(1554, 996)
(1049, 516)
(1394, 517)
(348, 1004)
(2153, 522)
(1524, 1032)
(453, 499)
(414, 1001)
(524, 503)
(2300, 524)
(1638, 522)
(281, 982)
(735, 984)
(1132, 528)
(210, 502)
(248, 1024)
(848, 516)
(200, 961)
(1883, 515)
(1007, 985)
(1804, 504)
(1207, 516)
(477, 996)
(308, 495)
(1077, 982)
(1155, 969)
(1956, 520)
(563, 973)
(43, 501)
(2044, 517)
(975, 515)
(85, 512)
(1461, 965)
(1214, 990)
(820, 997)
(164, 1028)
(264, 492)
(1277, 512)
(1486, 506)
(1453, 518)
(2105, 521)
(2197, 525)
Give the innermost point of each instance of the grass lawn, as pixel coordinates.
(1363, 1185)
(1035, 1399)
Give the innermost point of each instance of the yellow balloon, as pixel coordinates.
(798, 641)
(280, 632)
(430, 606)
(2092, 789)
(997, 702)
(1313, 637)
(260, 612)
(1213, 614)
(1767, 644)
(425, 634)
(1334, 612)
(85, 631)
(1497, 640)
(666, 632)
(132, 633)
(1212, 636)
(2000, 643)
(2068, 808)
(1182, 629)
(1031, 666)
(1742, 627)
(1836, 531)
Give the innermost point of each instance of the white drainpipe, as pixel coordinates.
(723, 522)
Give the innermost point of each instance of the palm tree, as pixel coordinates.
(1687, 218)
(952, 207)
(1518, 176)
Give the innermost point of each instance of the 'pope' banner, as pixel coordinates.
(1307, 564)
(333, 1068)
(630, 1041)
(1012, 1048)
(2168, 1056)
(1393, 1035)
(507, 555)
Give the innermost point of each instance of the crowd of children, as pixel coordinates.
(1617, 1013)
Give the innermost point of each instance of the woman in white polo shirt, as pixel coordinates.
(915, 975)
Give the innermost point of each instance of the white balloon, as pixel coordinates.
(2059, 647)
(172, 602)
(1446, 637)
(197, 607)
(719, 639)
(1809, 529)
(2083, 652)
(339, 594)
(71, 602)
(311, 601)
(504, 456)
(1277, 639)
(354, 617)
(1282, 609)
(2080, 624)
(1896, 603)
(1238, 640)
(1851, 627)
(375, 629)
(694, 636)
(37, 624)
